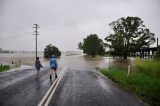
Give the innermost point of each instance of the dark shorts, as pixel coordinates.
(55, 68)
(38, 69)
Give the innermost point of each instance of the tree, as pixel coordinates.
(129, 35)
(92, 45)
(51, 50)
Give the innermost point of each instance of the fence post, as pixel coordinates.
(129, 68)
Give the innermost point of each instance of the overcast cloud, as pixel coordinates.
(65, 23)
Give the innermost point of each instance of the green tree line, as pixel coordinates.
(128, 35)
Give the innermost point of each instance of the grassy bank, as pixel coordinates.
(4, 68)
(145, 86)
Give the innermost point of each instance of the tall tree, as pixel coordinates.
(92, 45)
(51, 50)
(129, 35)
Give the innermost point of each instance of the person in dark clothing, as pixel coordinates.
(53, 65)
(38, 65)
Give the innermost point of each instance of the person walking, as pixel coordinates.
(53, 65)
(38, 65)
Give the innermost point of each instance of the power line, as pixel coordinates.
(36, 26)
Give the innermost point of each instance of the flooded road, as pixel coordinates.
(19, 88)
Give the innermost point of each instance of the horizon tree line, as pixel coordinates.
(129, 35)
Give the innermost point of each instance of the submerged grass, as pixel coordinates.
(145, 86)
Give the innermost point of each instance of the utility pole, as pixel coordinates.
(157, 42)
(36, 26)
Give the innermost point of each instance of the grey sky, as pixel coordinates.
(65, 23)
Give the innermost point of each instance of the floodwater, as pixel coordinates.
(71, 61)
(19, 58)
(80, 62)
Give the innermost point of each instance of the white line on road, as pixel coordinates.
(46, 99)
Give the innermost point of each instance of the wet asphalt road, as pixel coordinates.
(22, 89)
(81, 85)
(90, 88)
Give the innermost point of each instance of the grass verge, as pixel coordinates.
(145, 86)
(4, 68)
(8, 67)
(149, 67)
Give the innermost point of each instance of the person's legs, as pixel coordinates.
(55, 72)
(51, 74)
(52, 71)
(37, 76)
